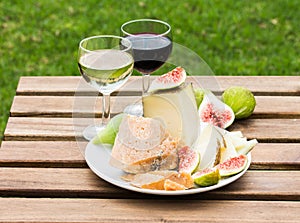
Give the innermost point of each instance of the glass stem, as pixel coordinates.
(105, 109)
(146, 83)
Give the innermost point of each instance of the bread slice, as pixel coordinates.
(149, 181)
(163, 180)
(142, 145)
(172, 186)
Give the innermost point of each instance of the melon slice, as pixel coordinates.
(247, 147)
(228, 151)
(240, 143)
(209, 145)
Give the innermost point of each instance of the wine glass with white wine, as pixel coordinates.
(106, 63)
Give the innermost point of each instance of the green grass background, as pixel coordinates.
(235, 37)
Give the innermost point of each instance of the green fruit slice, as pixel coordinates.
(199, 94)
(108, 135)
(206, 177)
(232, 166)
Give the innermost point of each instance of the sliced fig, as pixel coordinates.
(188, 160)
(214, 111)
(232, 166)
(172, 79)
(207, 177)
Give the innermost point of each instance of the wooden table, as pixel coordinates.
(44, 177)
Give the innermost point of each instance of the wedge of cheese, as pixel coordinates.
(177, 109)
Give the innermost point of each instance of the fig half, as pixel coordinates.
(214, 111)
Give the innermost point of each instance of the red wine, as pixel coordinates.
(150, 51)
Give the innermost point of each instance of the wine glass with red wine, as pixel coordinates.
(151, 43)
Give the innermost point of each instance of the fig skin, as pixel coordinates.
(199, 94)
(207, 177)
(241, 100)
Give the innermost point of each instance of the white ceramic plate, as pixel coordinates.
(98, 156)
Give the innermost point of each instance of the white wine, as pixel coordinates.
(106, 70)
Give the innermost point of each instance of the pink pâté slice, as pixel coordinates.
(206, 177)
(188, 160)
(232, 166)
(172, 79)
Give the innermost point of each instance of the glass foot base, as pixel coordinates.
(91, 131)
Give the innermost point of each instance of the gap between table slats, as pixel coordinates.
(66, 106)
(67, 85)
(70, 154)
(132, 210)
(63, 182)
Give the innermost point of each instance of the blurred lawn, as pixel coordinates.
(234, 37)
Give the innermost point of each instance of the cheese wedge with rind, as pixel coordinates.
(177, 109)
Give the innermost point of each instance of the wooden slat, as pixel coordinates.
(62, 85)
(64, 106)
(276, 156)
(54, 84)
(65, 129)
(36, 128)
(277, 107)
(129, 210)
(42, 154)
(76, 182)
(271, 156)
(269, 130)
(266, 85)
